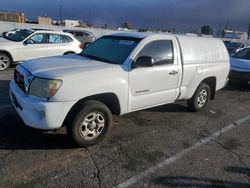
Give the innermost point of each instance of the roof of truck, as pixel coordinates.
(140, 35)
(194, 49)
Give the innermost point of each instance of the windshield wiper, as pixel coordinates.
(97, 58)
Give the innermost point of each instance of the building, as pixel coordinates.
(44, 20)
(230, 34)
(234, 34)
(12, 17)
(71, 23)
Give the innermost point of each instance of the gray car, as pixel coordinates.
(85, 37)
(234, 47)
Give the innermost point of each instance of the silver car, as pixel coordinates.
(85, 37)
(234, 47)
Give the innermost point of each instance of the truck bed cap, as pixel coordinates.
(194, 49)
(202, 49)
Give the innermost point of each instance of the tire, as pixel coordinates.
(5, 62)
(200, 98)
(91, 124)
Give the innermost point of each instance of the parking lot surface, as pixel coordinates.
(167, 146)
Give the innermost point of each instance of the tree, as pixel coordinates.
(126, 25)
(206, 30)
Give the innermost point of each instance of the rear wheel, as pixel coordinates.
(5, 61)
(200, 98)
(91, 124)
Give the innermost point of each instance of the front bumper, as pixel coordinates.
(37, 113)
(242, 78)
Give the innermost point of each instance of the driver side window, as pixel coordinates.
(161, 51)
(37, 39)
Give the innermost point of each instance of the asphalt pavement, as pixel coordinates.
(166, 146)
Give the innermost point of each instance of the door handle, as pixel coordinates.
(173, 72)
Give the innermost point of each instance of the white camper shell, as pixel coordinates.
(202, 50)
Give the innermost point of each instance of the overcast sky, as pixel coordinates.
(180, 14)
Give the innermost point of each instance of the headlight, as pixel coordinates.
(44, 88)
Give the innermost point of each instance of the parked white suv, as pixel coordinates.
(117, 74)
(25, 44)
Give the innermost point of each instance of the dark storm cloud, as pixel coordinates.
(180, 14)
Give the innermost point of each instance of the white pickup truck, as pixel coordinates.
(117, 74)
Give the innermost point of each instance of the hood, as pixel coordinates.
(60, 66)
(5, 41)
(240, 64)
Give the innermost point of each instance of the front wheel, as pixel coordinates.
(5, 62)
(200, 98)
(91, 124)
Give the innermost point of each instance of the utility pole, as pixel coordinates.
(60, 14)
(248, 37)
(90, 17)
(224, 31)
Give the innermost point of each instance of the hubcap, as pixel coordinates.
(92, 126)
(202, 98)
(4, 62)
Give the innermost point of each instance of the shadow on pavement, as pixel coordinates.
(182, 181)
(175, 107)
(4, 92)
(239, 170)
(14, 135)
(237, 87)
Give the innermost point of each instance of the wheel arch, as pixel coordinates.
(109, 99)
(69, 52)
(211, 82)
(8, 54)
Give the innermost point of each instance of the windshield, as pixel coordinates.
(111, 49)
(19, 35)
(243, 54)
(234, 45)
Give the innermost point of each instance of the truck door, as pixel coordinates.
(157, 84)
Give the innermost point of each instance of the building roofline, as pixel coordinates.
(11, 12)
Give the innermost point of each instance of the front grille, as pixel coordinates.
(19, 79)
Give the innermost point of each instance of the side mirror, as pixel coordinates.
(28, 41)
(144, 61)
